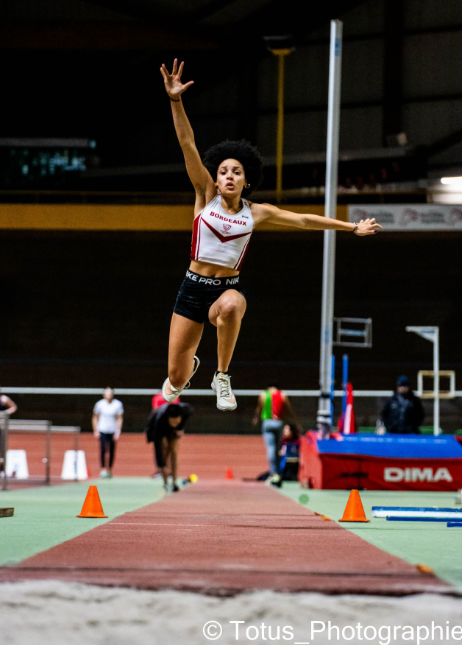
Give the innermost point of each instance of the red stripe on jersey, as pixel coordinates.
(194, 245)
(222, 238)
(240, 262)
(199, 230)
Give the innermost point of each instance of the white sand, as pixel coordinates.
(55, 613)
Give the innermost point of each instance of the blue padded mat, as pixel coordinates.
(398, 445)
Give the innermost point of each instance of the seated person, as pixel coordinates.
(289, 453)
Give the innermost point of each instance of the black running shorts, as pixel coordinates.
(198, 293)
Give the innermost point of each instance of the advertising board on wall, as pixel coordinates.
(412, 217)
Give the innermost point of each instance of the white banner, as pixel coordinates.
(412, 217)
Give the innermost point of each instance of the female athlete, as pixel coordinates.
(223, 224)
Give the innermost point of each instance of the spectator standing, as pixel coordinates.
(273, 406)
(403, 413)
(107, 421)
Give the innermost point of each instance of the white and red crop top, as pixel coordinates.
(220, 238)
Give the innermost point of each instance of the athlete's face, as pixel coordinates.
(108, 394)
(174, 422)
(231, 178)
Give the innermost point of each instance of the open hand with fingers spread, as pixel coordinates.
(173, 85)
(367, 227)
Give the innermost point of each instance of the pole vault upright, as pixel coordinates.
(328, 274)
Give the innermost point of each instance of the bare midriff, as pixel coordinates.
(211, 270)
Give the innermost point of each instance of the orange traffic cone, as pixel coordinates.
(92, 505)
(229, 473)
(354, 510)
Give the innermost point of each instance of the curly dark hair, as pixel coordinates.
(295, 431)
(245, 153)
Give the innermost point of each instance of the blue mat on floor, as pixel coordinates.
(398, 445)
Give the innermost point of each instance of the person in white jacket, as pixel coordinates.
(107, 421)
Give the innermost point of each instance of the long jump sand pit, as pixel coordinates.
(51, 612)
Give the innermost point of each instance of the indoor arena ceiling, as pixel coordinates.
(89, 59)
(195, 25)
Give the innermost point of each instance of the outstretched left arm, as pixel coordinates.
(275, 215)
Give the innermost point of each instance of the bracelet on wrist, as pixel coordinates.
(175, 100)
(356, 226)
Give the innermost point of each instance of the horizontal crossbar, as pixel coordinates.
(93, 391)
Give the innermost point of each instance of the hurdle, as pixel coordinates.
(9, 426)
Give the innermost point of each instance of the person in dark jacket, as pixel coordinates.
(165, 428)
(403, 412)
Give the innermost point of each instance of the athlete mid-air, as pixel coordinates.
(223, 224)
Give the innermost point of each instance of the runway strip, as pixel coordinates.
(225, 537)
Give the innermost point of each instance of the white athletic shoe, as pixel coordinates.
(176, 391)
(276, 480)
(221, 384)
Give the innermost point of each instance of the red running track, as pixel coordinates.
(208, 456)
(224, 537)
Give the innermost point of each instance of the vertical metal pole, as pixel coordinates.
(328, 278)
(332, 388)
(48, 451)
(280, 127)
(436, 382)
(345, 382)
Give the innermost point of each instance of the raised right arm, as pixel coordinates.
(197, 172)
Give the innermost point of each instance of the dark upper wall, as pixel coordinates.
(102, 84)
(84, 309)
(106, 298)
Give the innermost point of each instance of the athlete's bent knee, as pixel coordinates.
(230, 307)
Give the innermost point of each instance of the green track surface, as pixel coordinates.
(46, 516)
(429, 543)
